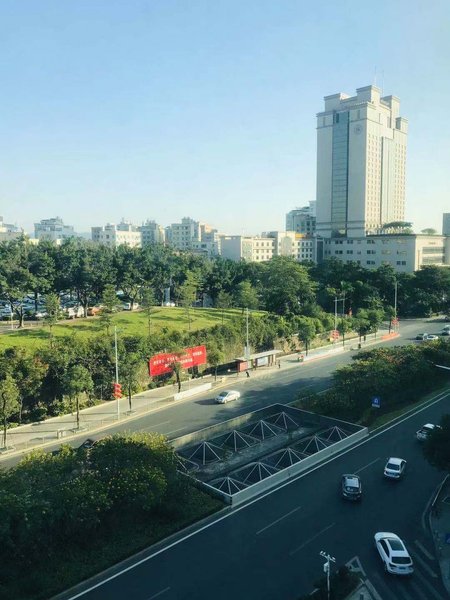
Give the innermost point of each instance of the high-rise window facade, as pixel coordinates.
(361, 158)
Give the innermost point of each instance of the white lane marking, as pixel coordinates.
(234, 511)
(159, 593)
(424, 550)
(319, 533)
(173, 431)
(429, 587)
(356, 569)
(424, 565)
(278, 520)
(156, 425)
(368, 465)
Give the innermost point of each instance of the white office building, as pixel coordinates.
(446, 224)
(194, 236)
(406, 253)
(9, 232)
(53, 230)
(302, 220)
(269, 244)
(112, 235)
(361, 159)
(152, 233)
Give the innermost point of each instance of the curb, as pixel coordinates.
(432, 509)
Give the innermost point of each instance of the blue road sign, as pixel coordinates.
(376, 402)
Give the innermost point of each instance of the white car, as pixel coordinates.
(425, 431)
(227, 396)
(431, 336)
(393, 553)
(395, 467)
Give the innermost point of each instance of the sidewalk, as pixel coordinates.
(439, 517)
(365, 591)
(102, 416)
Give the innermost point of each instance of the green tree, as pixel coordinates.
(306, 330)
(224, 300)
(53, 310)
(77, 380)
(287, 287)
(131, 373)
(148, 302)
(188, 294)
(177, 370)
(362, 323)
(15, 277)
(344, 326)
(109, 306)
(9, 402)
(246, 296)
(215, 357)
(429, 231)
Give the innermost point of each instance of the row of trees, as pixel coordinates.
(398, 376)
(60, 509)
(281, 285)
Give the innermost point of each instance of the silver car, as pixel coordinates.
(395, 468)
(227, 396)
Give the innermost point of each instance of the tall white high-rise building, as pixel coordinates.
(361, 159)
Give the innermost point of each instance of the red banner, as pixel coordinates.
(161, 363)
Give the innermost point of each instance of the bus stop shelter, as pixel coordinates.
(259, 359)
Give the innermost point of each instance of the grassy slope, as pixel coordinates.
(128, 323)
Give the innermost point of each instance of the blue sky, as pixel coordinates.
(206, 108)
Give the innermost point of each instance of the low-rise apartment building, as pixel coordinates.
(406, 253)
(113, 235)
(263, 248)
(9, 232)
(152, 233)
(53, 230)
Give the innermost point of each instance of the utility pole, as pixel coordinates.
(395, 302)
(327, 567)
(247, 346)
(117, 369)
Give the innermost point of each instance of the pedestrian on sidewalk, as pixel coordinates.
(279, 364)
(247, 373)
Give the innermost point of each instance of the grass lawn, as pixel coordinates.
(128, 323)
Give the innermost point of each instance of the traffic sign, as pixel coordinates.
(334, 334)
(117, 390)
(376, 402)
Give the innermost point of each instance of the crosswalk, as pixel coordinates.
(424, 584)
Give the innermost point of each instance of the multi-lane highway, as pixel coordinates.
(270, 547)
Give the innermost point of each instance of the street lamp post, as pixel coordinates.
(327, 567)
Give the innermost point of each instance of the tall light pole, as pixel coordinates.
(395, 303)
(327, 567)
(247, 346)
(117, 369)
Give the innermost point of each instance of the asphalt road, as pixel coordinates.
(277, 385)
(269, 549)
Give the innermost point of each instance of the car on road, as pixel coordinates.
(425, 431)
(393, 553)
(421, 336)
(88, 444)
(445, 331)
(431, 337)
(395, 468)
(227, 396)
(351, 487)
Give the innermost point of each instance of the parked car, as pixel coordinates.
(351, 487)
(395, 468)
(94, 310)
(447, 318)
(431, 337)
(169, 304)
(425, 431)
(393, 553)
(421, 336)
(127, 305)
(445, 331)
(227, 396)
